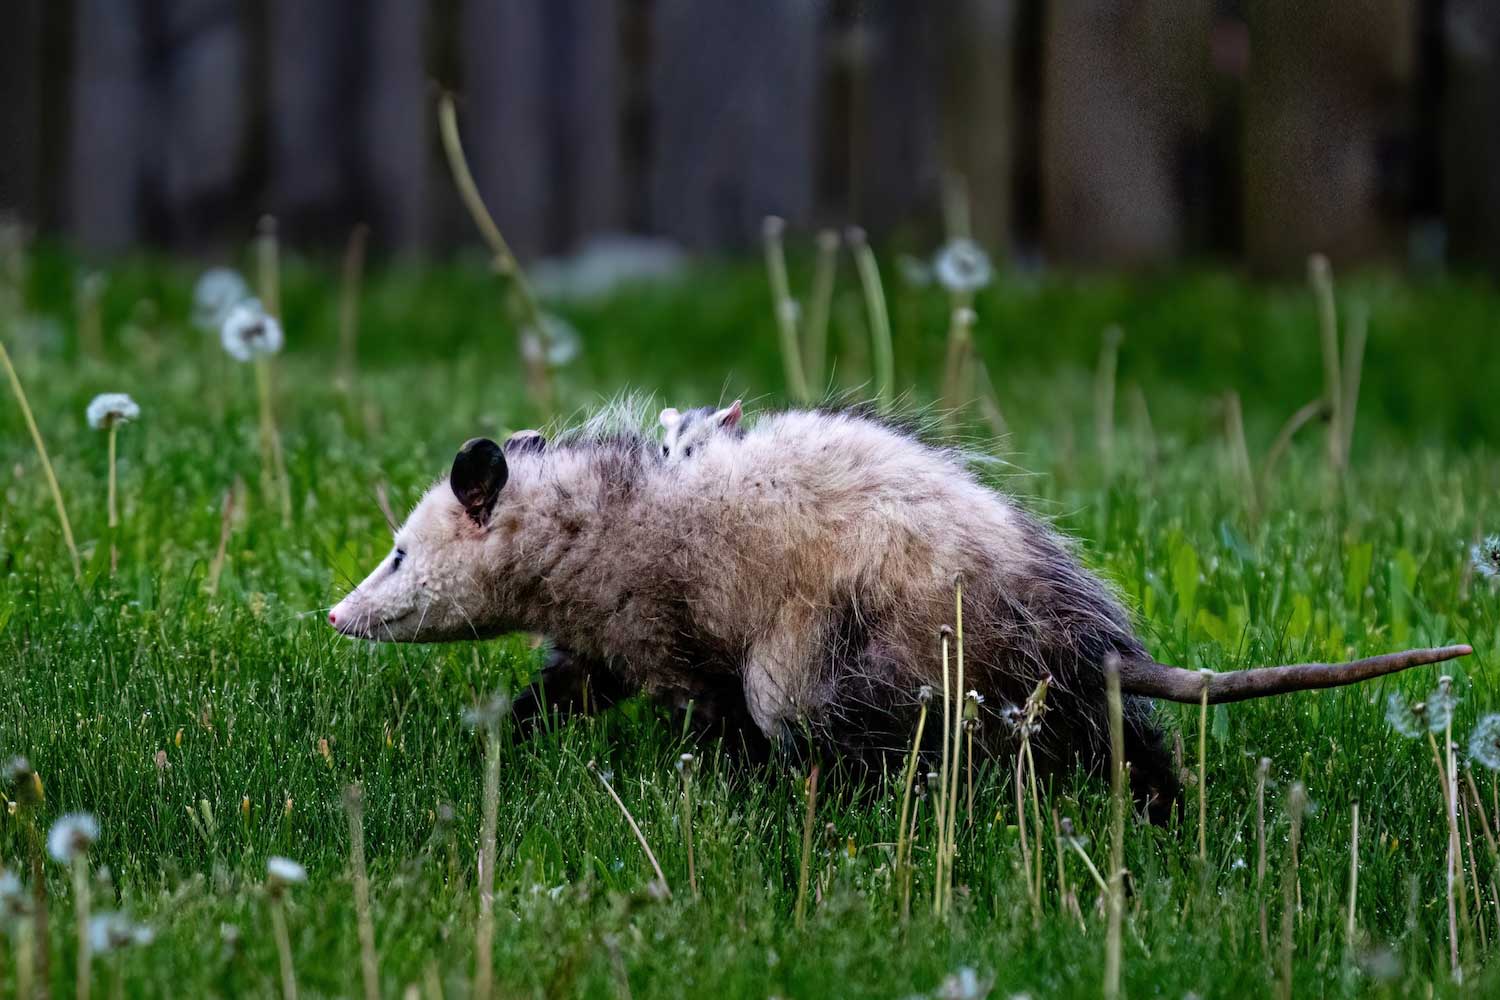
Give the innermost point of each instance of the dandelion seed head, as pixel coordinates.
(924, 694)
(556, 345)
(963, 984)
(962, 266)
(1484, 742)
(488, 714)
(1486, 557)
(1440, 705)
(110, 931)
(15, 901)
(215, 295)
(282, 871)
(1408, 720)
(914, 271)
(249, 332)
(71, 837)
(111, 409)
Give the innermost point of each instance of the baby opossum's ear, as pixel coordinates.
(730, 415)
(479, 473)
(670, 418)
(525, 442)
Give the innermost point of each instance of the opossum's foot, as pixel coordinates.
(1153, 779)
(569, 684)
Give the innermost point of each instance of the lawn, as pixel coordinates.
(211, 727)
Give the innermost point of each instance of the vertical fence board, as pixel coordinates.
(733, 99)
(978, 117)
(1326, 90)
(1471, 33)
(1123, 84)
(393, 144)
(21, 111)
(110, 128)
(895, 169)
(204, 105)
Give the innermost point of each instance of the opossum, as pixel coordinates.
(685, 432)
(797, 582)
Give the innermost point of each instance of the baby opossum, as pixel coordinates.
(797, 582)
(684, 432)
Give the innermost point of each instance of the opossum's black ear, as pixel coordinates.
(479, 473)
(525, 442)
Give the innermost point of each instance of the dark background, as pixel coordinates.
(1092, 132)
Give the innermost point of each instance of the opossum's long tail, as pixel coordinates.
(1157, 680)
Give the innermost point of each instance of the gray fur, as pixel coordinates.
(805, 566)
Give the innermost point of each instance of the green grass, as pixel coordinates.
(239, 689)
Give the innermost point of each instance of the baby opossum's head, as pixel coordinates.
(433, 587)
(684, 432)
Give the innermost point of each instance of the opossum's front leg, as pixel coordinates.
(778, 673)
(570, 683)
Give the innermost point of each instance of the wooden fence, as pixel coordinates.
(1104, 132)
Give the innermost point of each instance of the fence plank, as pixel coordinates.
(733, 94)
(1326, 86)
(110, 128)
(1123, 85)
(1471, 35)
(21, 111)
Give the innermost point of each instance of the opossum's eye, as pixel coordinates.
(687, 452)
(398, 559)
(666, 451)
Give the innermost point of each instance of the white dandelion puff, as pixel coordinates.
(1484, 742)
(962, 266)
(110, 409)
(560, 345)
(71, 837)
(15, 901)
(1407, 719)
(965, 984)
(914, 271)
(284, 871)
(1440, 705)
(487, 715)
(110, 931)
(1486, 557)
(249, 331)
(215, 295)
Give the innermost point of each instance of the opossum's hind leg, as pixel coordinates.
(569, 684)
(1154, 782)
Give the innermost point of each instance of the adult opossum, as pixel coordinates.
(795, 579)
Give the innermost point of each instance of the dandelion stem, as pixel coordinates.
(951, 793)
(1352, 926)
(1455, 841)
(687, 825)
(113, 516)
(1089, 864)
(268, 261)
(273, 469)
(283, 947)
(1354, 358)
(1489, 838)
(1203, 774)
(634, 828)
(1104, 397)
(959, 364)
(785, 308)
(484, 939)
(1453, 964)
(354, 799)
(1320, 276)
(1478, 901)
(1262, 770)
(41, 451)
(1020, 784)
(1239, 452)
(1297, 805)
(525, 308)
(81, 919)
(940, 802)
(818, 306)
(903, 843)
(354, 265)
(1309, 412)
(880, 320)
(804, 871)
(1112, 954)
(226, 526)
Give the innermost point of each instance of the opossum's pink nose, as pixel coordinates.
(333, 619)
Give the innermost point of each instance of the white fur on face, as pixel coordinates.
(431, 593)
